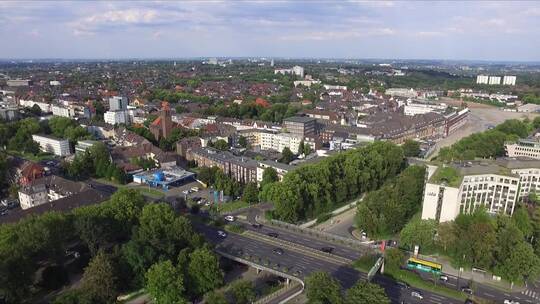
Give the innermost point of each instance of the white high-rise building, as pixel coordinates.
(482, 79)
(494, 80)
(118, 103)
(298, 70)
(509, 80)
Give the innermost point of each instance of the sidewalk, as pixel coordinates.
(478, 276)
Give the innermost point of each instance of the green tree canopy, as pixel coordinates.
(411, 148)
(366, 293)
(165, 283)
(242, 292)
(99, 280)
(204, 271)
(321, 288)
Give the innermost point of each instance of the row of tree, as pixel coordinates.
(322, 288)
(130, 243)
(385, 211)
(274, 113)
(499, 244)
(489, 143)
(319, 188)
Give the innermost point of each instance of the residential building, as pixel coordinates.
(416, 107)
(58, 110)
(9, 113)
(482, 79)
(54, 83)
(118, 103)
(53, 145)
(509, 80)
(401, 92)
(300, 125)
(496, 185)
(280, 168)
(186, 144)
(45, 107)
(241, 169)
(306, 83)
(32, 195)
(18, 82)
(494, 80)
(116, 117)
(83, 145)
(296, 70)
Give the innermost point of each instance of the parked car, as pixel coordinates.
(417, 294)
(229, 218)
(256, 225)
(273, 234)
(222, 234)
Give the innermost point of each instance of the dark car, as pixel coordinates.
(402, 285)
(273, 234)
(327, 249)
(278, 251)
(256, 225)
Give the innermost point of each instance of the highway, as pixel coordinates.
(300, 265)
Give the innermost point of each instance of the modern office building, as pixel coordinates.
(509, 80)
(496, 185)
(300, 125)
(118, 103)
(59, 110)
(525, 147)
(83, 145)
(53, 145)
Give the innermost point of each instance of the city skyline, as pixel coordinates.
(489, 31)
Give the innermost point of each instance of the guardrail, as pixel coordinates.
(355, 244)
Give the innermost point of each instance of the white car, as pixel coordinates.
(416, 294)
(443, 278)
(222, 234)
(510, 302)
(229, 218)
(194, 189)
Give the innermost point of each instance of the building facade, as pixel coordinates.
(525, 147)
(241, 169)
(116, 117)
(53, 145)
(300, 125)
(495, 185)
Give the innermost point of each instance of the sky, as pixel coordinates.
(483, 30)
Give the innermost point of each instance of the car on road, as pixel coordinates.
(510, 302)
(402, 285)
(222, 233)
(417, 294)
(272, 234)
(467, 290)
(229, 218)
(327, 249)
(278, 251)
(443, 278)
(257, 225)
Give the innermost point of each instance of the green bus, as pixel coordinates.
(427, 266)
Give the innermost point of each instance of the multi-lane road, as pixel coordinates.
(301, 262)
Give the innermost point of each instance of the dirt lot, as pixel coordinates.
(480, 118)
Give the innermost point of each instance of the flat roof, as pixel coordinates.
(301, 119)
(171, 175)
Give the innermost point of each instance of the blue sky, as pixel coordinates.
(341, 29)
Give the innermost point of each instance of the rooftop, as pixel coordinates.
(299, 119)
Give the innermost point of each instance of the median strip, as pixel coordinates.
(298, 248)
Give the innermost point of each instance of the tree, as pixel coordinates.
(165, 283)
(393, 259)
(411, 148)
(251, 193)
(242, 141)
(269, 176)
(419, 232)
(446, 235)
(72, 296)
(204, 271)
(221, 144)
(242, 292)
(215, 297)
(322, 288)
(307, 149)
(35, 109)
(521, 264)
(366, 293)
(286, 156)
(522, 221)
(99, 281)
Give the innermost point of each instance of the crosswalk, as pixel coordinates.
(532, 294)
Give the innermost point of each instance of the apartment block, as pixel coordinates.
(300, 125)
(53, 145)
(525, 147)
(241, 169)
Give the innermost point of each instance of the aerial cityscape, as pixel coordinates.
(223, 152)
